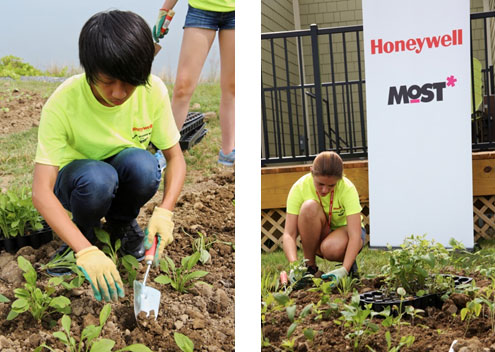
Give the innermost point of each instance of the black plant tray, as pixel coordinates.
(380, 301)
(194, 120)
(34, 239)
(193, 137)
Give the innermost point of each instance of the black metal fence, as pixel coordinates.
(313, 92)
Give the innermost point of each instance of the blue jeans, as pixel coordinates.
(209, 19)
(115, 188)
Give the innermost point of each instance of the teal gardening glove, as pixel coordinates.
(101, 273)
(335, 275)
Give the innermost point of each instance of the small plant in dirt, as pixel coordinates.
(203, 244)
(291, 314)
(180, 278)
(183, 342)
(405, 341)
(17, 213)
(4, 299)
(471, 311)
(269, 283)
(358, 321)
(38, 302)
(411, 267)
(129, 262)
(487, 296)
(88, 341)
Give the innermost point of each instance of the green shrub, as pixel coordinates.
(14, 67)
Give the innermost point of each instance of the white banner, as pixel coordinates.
(417, 61)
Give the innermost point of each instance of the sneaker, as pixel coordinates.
(131, 235)
(227, 160)
(62, 252)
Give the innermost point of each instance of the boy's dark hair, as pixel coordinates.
(118, 44)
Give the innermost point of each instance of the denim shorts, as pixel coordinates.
(209, 19)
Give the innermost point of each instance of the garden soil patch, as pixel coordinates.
(436, 331)
(205, 314)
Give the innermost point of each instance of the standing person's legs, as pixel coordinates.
(226, 40)
(196, 44)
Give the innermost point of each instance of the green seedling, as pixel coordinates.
(471, 311)
(183, 342)
(269, 283)
(411, 266)
(180, 278)
(61, 260)
(199, 245)
(291, 314)
(346, 285)
(39, 303)
(358, 320)
(17, 213)
(88, 341)
(405, 341)
(129, 262)
(4, 299)
(288, 345)
(488, 298)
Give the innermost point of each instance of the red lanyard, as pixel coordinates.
(329, 208)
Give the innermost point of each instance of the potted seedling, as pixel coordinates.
(20, 222)
(414, 267)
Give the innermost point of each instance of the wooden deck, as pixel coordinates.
(277, 181)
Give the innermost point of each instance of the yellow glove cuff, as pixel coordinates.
(167, 214)
(86, 250)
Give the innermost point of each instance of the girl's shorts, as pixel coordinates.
(209, 19)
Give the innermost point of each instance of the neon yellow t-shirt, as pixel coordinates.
(213, 5)
(74, 125)
(345, 199)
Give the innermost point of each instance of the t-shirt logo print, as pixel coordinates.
(142, 133)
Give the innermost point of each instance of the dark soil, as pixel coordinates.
(205, 314)
(436, 331)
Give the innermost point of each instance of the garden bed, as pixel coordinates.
(205, 314)
(435, 330)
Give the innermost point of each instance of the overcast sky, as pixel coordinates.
(46, 33)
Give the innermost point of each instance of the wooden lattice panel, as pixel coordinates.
(273, 221)
(272, 228)
(484, 221)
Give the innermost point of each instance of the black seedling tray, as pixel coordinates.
(34, 239)
(193, 137)
(194, 120)
(380, 300)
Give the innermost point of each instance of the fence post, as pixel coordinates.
(315, 52)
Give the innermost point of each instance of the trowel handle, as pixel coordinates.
(149, 255)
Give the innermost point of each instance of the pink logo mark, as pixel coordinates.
(451, 81)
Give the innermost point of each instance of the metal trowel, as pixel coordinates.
(146, 299)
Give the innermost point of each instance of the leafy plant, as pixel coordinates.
(180, 278)
(488, 298)
(39, 303)
(4, 299)
(199, 245)
(411, 266)
(183, 342)
(358, 320)
(17, 213)
(471, 311)
(405, 341)
(129, 262)
(291, 314)
(269, 283)
(88, 340)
